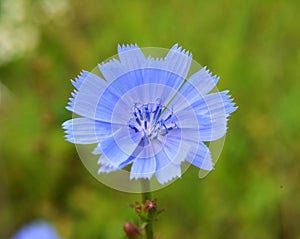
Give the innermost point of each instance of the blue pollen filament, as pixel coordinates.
(148, 119)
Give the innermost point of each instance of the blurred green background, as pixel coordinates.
(254, 47)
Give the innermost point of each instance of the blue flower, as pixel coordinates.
(148, 113)
(37, 230)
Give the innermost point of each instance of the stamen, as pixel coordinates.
(137, 118)
(147, 113)
(155, 112)
(134, 128)
(159, 113)
(147, 119)
(141, 115)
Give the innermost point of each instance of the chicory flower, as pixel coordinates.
(148, 113)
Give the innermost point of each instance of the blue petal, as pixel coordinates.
(188, 126)
(219, 102)
(80, 79)
(107, 167)
(131, 56)
(168, 168)
(191, 148)
(112, 69)
(175, 147)
(173, 153)
(195, 89)
(201, 157)
(187, 95)
(85, 131)
(213, 112)
(122, 142)
(37, 229)
(117, 148)
(206, 118)
(143, 168)
(164, 84)
(229, 105)
(106, 106)
(85, 100)
(203, 81)
(151, 77)
(178, 61)
(168, 173)
(148, 93)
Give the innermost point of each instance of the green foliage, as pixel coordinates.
(254, 47)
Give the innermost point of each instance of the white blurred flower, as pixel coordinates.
(20, 22)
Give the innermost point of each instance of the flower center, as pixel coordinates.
(152, 119)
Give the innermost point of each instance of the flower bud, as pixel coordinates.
(131, 230)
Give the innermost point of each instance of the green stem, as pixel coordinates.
(146, 195)
(149, 230)
(146, 190)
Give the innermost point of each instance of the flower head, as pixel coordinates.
(37, 230)
(148, 113)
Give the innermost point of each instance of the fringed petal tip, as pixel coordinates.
(178, 61)
(66, 127)
(178, 49)
(106, 166)
(127, 47)
(229, 105)
(207, 165)
(168, 175)
(71, 139)
(111, 69)
(143, 168)
(201, 158)
(110, 61)
(168, 180)
(141, 176)
(131, 56)
(162, 176)
(175, 48)
(71, 102)
(106, 169)
(215, 78)
(157, 60)
(77, 82)
(65, 124)
(81, 131)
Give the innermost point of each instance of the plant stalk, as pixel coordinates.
(146, 195)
